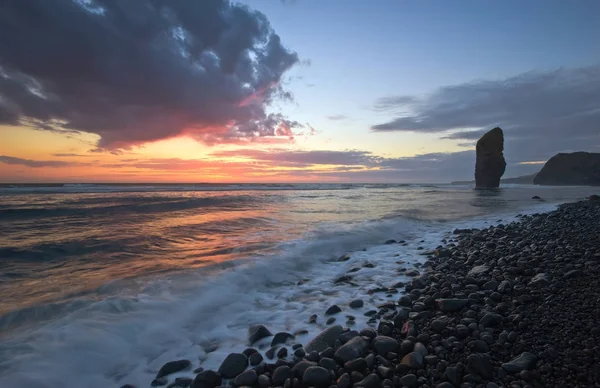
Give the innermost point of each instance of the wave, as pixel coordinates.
(132, 205)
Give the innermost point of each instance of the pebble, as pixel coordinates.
(383, 344)
(247, 378)
(233, 365)
(524, 362)
(413, 360)
(281, 374)
(173, 367)
(356, 304)
(333, 310)
(371, 381)
(281, 338)
(316, 376)
(352, 349)
(255, 359)
(257, 332)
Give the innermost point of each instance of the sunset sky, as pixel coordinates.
(291, 91)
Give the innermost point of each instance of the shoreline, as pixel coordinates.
(475, 317)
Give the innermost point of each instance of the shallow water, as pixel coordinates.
(103, 284)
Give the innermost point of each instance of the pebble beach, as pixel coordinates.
(510, 305)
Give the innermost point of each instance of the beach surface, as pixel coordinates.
(402, 302)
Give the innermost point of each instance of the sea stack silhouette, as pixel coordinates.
(490, 163)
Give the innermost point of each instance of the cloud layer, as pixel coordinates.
(541, 113)
(142, 70)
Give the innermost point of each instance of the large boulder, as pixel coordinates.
(490, 163)
(577, 168)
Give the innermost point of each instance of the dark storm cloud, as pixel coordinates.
(37, 163)
(142, 70)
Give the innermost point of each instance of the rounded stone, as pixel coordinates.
(316, 376)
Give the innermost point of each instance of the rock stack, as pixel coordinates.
(490, 163)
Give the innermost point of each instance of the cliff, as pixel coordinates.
(574, 169)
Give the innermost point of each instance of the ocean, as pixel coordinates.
(102, 284)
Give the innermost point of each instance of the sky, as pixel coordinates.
(291, 91)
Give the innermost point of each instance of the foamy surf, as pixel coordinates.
(202, 316)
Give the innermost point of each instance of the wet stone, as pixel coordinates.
(281, 374)
(525, 361)
(247, 378)
(300, 367)
(173, 367)
(409, 380)
(371, 381)
(316, 376)
(257, 332)
(383, 344)
(356, 304)
(255, 359)
(233, 365)
(333, 310)
(413, 360)
(281, 338)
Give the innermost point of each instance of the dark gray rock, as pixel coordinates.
(173, 367)
(325, 339)
(248, 378)
(492, 285)
(159, 382)
(491, 320)
(281, 374)
(352, 349)
(453, 375)
(356, 304)
(480, 346)
(333, 310)
(281, 338)
(481, 364)
(420, 348)
(257, 332)
(302, 366)
(371, 381)
(270, 354)
(413, 360)
(207, 379)
(359, 364)
(328, 363)
(383, 345)
(255, 359)
(541, 279)
(525, 361)
(282, 353)
(347, 336)
(344, 381)
(490, 163)
(573, 273)
(442, 253)
(478, 270)
(264, 381)
(299, 353)
(439, 325)
(409, 380)
(181, 382)
(233, 365)
(451, 305)
(316, 376)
